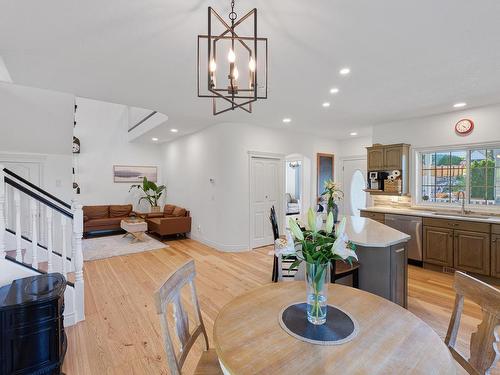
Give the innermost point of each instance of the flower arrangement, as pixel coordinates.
(332, 194)
(318, 248)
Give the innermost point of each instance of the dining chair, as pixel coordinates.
(484, 351)
(170, 293)
(280, 263)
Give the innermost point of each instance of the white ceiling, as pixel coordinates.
(408, 58)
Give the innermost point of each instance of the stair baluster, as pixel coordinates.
(50, 266)
(34, 233)
(78, 261)
(2, 214)
(17, 205)
(63, 248)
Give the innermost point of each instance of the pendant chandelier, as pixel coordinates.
(231, 63)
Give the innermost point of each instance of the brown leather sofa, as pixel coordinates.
(105, 217)
(173, 220)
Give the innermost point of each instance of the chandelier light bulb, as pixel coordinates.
(236, 74)
(251, 65)
(213, 65)
(231, 57)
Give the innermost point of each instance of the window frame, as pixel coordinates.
(416, 184)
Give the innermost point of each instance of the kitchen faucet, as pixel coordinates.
(462, 193)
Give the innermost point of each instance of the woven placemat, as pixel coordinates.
(339, 328)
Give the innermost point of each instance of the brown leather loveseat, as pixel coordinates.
(173, 220)
(105, 217)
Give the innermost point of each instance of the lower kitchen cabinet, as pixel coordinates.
(495, 255)
(472, 252)
(438, 246)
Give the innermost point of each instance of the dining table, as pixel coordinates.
(249, 339)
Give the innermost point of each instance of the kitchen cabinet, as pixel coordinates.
(375, 158)
(495, 251)
(463, 245)
(388, 157)
(385, 272)
(399, 272)
(374, 216)
(472, 252)
(393, 157)
(438, 246)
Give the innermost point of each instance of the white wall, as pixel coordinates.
(35, 121)
(220, 210)
(440, 130)
(36, 126)
(102, 130)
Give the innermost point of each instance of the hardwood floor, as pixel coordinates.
(121, 333)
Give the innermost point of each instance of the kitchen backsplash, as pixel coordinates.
(390, 201)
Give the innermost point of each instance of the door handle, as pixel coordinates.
(400, 250)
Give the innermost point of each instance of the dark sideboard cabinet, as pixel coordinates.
(32, 338)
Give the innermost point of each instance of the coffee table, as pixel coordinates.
(134, 227)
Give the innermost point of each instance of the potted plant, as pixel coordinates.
(318, 248)
(332, 194)
(152, 193)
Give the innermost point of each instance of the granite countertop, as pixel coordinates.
(428, 213)
(370, 233)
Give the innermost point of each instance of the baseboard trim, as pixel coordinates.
(218, 246)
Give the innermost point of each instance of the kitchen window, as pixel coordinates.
(474, 171)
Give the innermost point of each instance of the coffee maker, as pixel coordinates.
(376, 180)
(373, 181)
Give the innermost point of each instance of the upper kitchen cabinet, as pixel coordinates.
(388, 157)
(375, 158)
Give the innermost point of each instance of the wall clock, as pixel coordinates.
(76, 145)
(464, 126)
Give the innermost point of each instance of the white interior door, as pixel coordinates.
(354, 181)
(265, 191)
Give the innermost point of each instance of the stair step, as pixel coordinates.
(12, 253)
(42, 266)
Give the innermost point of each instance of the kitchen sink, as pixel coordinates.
(458, 214)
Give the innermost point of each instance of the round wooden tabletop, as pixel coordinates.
(391, 340)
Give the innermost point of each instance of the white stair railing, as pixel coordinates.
(36, 201)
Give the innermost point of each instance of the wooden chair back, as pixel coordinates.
(170, 293)
(484, 352)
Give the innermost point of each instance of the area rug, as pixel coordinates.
(111, 246)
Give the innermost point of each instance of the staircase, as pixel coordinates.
(40, 233)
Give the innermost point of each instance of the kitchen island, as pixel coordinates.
(383, 258)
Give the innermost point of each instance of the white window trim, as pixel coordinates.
(416, 184)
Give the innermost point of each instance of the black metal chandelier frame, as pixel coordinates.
(237, 97)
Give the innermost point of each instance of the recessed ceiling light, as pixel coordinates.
(353, 133)
(287, 120)
(459, 105)
(326, 104)
(334, 90)
(345, 71)
(174, 130)
(154, 139)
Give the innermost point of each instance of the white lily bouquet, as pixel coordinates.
(332, 194)
(319, 247)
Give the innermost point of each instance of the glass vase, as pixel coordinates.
(317, 279)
